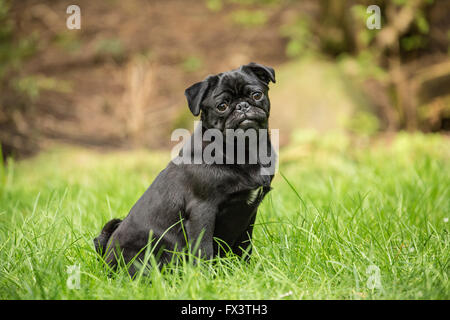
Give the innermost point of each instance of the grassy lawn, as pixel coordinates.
(347, 219)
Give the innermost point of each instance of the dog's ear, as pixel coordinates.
(195, 94)
(263, 73)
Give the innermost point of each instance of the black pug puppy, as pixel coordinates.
(208, 206)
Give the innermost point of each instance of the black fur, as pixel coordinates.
(212, 200)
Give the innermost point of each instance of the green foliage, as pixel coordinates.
(249, 18)
(300, 37)
(110, 47)
(363, 66)
(256, 2)
(360, 15)
(192, 64)
(421, 22)
(217, 5)
(2, 171)
(400, 2)
(68, 41)
(413, 42)
(214, 5)
(363, 123)
(416, 40)
(32, 85)
(12, 51)
(337, 208)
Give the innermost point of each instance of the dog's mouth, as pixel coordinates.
(251, 120)
(248, 123)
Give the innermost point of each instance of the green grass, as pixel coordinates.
(346, 209)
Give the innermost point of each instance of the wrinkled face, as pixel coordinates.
(237, 101)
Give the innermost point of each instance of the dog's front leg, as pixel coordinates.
(200, 229)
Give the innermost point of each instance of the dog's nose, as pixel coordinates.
(243, 106)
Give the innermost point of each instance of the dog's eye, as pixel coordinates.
(257, 95)
(222, 107)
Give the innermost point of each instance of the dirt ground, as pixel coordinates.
(120, 79)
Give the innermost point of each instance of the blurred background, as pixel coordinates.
(118, 82)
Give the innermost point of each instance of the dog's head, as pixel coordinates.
(236, 99)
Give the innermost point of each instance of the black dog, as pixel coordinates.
(211, 205)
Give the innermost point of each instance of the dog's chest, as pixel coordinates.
(242, 203)
(236, 213)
